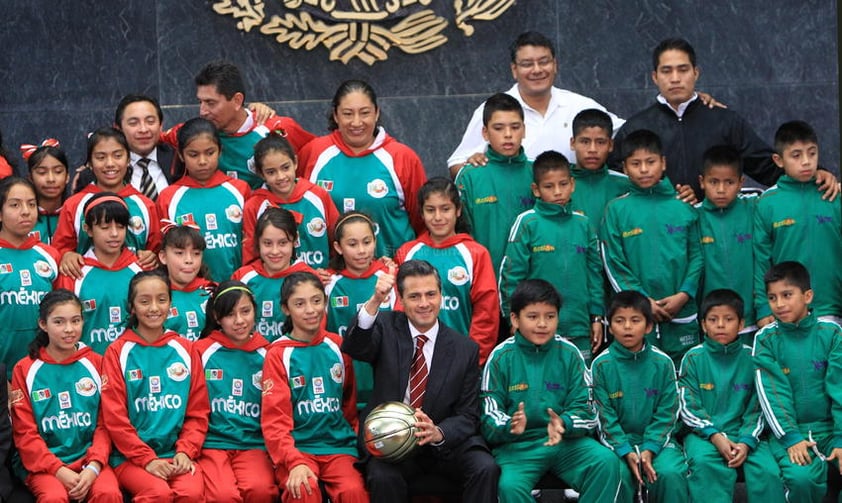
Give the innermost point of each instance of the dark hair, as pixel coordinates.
(105, 212)
(280, 218)
(6, 185)
(44, 151)
(222, 303)
(642, 139)
(592, 117)
(105, 133)
(273, 142)
(131, 322)
(794, 131)
(549, 161)
(194, 127)
(289, 285)
(182, 236)
(224, 76)
(631, 299)
(791, 272)
(136, 98)
(530, 38)
(534, 291)
(444, 186)
(48, 303)
(500, 102)
(722, 156)
(673, 44)
(346, 88)
(415, 268)
(722, 297)
(337, 262)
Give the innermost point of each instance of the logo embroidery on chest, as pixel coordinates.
(377, 188)
(458, 275)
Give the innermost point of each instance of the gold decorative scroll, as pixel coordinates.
(363, 29)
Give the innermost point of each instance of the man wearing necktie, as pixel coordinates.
(423, 363)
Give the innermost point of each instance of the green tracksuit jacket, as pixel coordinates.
(650, 243)
(553, 242)
(636, 398)
(717, 394)
(552, 375)
(726, 239)
(793, 222)
(799, 379)
(595, 188)
(493, 196)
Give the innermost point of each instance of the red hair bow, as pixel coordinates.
(27, 149)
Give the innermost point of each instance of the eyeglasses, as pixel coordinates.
(529, 63)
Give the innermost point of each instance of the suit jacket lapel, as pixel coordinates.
(406, 350)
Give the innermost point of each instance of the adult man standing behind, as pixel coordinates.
(423, 363)
(687, 127)
(548, 110)
(221, 92)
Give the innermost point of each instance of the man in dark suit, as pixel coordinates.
(422, 362)
(141, 119)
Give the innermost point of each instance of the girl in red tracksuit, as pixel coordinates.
(309, 408)
(154, 400)
(55, 405)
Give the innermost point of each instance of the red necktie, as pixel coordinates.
(418, 374)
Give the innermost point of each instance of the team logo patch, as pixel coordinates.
(15, 396)
(36, 235)
(154, 384)
(250, 165)
(192, 319)
(707, 386)
(41, 394)
(298, 382)
(6, 268)
(325, 184)
(266, 308)
(349, 204)
(234, 213)
(706, 240)
(377, 188)
(115, 314)
(458, 275)
(237, 387)
(136, 225)
(337, 373)
(786, 222)
(268, 384)
(185, 219)
(519, 387)
(316, 227)
(178, 372)
(318, 385)
(85, 386)
(637, 231)
(210, 222)
(89, 304)
(340, 301)
(257, 380)
(64, 400)
(135, 375)
(25, 277)
(173, 312)
(43, 269)
(213, 374)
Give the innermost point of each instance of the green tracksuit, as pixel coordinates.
(635, 396)
(553, 242)
(493, 196)
(595, 188)
(799, 385)
(650, 243)
(793, 222)
(549, 376)
(726, 239)
(717, 396)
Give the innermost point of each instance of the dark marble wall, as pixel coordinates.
(64, 65)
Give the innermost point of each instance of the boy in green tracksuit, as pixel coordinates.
(650, 243)
(493, 195)
(719, 403)
(595, 183)
(794, 222)
(726, 221)
(536, 414)
(799, 383)
(634, 391)
(553, 242)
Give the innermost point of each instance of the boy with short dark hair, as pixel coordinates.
(536, 414)
(494, 194)
(798, 358)
(553, 242)
(650, 243)
(793, 222)
(726, 225)
(595, 183)
(719, 403)
(635, 396)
